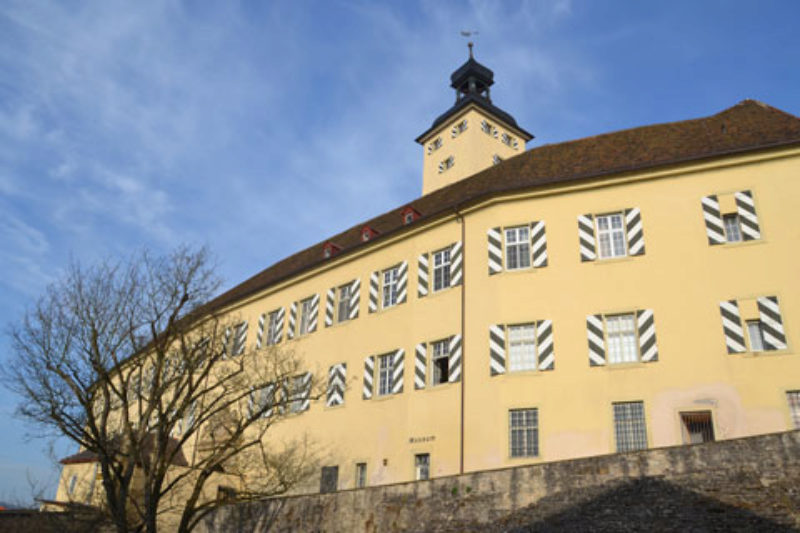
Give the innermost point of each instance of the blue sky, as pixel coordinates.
(260, 128)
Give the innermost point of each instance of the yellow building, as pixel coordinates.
(629, 290)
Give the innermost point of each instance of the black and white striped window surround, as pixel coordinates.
(730, 218)
(517, 247)
(610, 235)
(622, 338)
(337, 379)
(535, 343)
(760, 318)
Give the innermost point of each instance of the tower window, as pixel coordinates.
(447, 164)
(459, 128)
(508, 140)
(434, 145)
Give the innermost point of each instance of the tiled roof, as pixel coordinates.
(747, 126)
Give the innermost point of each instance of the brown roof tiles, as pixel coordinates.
(747, 126)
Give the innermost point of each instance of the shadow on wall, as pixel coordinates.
(643, 504)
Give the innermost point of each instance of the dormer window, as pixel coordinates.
(447, 164)
(434, 145)
(367, 233)
(330, 249)
(459, 128)
(409, 215)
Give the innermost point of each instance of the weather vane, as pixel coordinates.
(468, 34)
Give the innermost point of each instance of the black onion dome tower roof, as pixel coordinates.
(472, 81)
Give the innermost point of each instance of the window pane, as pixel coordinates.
(629, 426)
(518, 248)
(621, 334)
(385, 374)
(733, 231)
(522, 347)
(611, 235)
(756, 335)
(441, 269)
(523, 432)
(344, 303)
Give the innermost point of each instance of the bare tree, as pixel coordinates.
(128, 360)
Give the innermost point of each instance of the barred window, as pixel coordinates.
(441, 269)
(522, 347)
(793, 397)
(518, 248)
(385, 374)
(611, 235)
(629, 426)
(621, 338)
(524, 432)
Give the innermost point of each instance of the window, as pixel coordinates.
(496, 159)
(422, 466)
(793, 397)
(440, 360)
(486, 127)
(390, 277)
(518, 248)
(459, 128)
(629, 427)
(344, 303)
(522, 347)
(305, 316)
(611, 235)
(385, 374)
(697, 427)
(756, 334)
(523, 438)
(408, 218)
(733, 231)
(434, 145)
(274, 328)
(329, 480)
(508, 140)
(441, 269)
(447, 164)
(361, 475)
(296, 394)
(621, 339)
(260, 401)
(72, 482)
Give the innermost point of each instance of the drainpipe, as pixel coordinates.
(462, 221)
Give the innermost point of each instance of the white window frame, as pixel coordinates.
(305, 316)
(755, 335)
(296, 390)
(422, 466)
(385, 371)
(343, 300)
(732, 225)
(616, 248)
(440, 350)
(361, 475)
(441, 269)
(523, 432)
(389, 281)
(521, 349)
(622, 342)
(521, 247)
(272, 328)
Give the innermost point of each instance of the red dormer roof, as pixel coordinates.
(409, 214)
(329, 249)
(368, 233)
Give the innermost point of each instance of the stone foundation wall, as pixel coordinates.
(752, 478)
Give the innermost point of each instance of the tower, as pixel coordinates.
(470, 136)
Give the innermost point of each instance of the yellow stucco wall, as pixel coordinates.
(680, 277)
